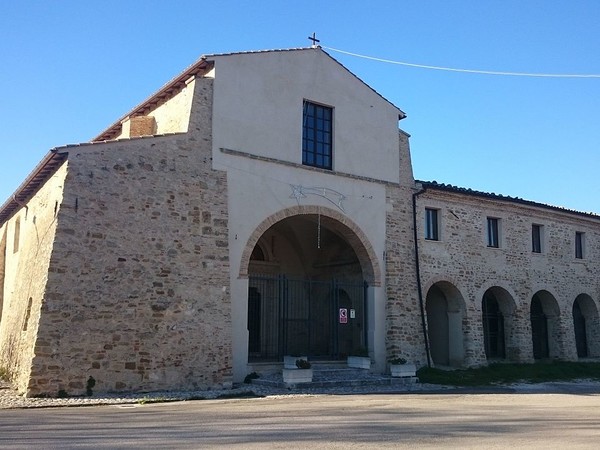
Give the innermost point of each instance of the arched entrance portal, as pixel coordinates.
(585, 326)
(307, 293)
(445, 310)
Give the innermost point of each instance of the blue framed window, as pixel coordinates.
(317, 137)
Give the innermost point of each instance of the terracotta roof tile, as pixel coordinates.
(434, 185)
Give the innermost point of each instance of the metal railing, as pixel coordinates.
(321, 319)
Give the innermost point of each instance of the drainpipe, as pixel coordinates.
(418, 274)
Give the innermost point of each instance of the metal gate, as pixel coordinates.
(320, 319)
(493, 328)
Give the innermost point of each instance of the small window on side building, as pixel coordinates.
(17, 235)
(432, 228)
(579, 245)
(493, 232)
(536, 238)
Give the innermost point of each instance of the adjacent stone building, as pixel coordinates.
(263, 204)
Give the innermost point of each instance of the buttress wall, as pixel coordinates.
(26, 241)
(138, 294)
(404, 336)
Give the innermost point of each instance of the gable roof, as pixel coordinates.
(199, 68)
(53, 160)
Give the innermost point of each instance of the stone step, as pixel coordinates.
(338, 376)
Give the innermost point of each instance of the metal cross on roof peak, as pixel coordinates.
(314, 40)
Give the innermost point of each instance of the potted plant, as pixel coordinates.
(359, 359)
(289, 361)
(400, 368)
(301, 373)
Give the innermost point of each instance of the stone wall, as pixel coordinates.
(404, 333)
(25, 246)
(464, 267)
(171, 115)
(138, 293)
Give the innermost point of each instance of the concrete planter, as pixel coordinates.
(359, 362)
(289, 362)
(403, 370)
(294, 376)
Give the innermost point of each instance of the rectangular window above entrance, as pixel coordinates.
(317, 139)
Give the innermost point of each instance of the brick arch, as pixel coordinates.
(331, 219)
(588, 305)
(450, 283)
(504, 293)
(454, 296)
(549, 301)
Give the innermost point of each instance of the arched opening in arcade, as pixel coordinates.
(545, 329)
(308, 280)
(445, 308)
(497, 309)
(585, 326)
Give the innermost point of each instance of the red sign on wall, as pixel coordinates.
(343, 315)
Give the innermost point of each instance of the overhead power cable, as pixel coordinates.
(450, 69)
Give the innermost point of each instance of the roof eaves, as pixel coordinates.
(252, 52)
(401, 114)
(202, 65)
(466, 191)
(164, 93)
(44, 170)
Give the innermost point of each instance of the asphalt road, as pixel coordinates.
(330, 422)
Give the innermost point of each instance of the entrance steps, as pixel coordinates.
(334, 375)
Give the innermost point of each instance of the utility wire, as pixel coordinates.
(481, 72)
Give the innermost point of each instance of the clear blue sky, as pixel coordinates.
(69, 68)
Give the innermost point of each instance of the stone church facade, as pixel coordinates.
(263, 204)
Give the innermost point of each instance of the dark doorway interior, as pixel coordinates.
(438, 327)
(580, 330)
(539, 329)
(320, 319)
(493, 327)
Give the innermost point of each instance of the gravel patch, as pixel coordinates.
(366, 383)
(9, 398)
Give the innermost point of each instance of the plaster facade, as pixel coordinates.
(158, 233)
